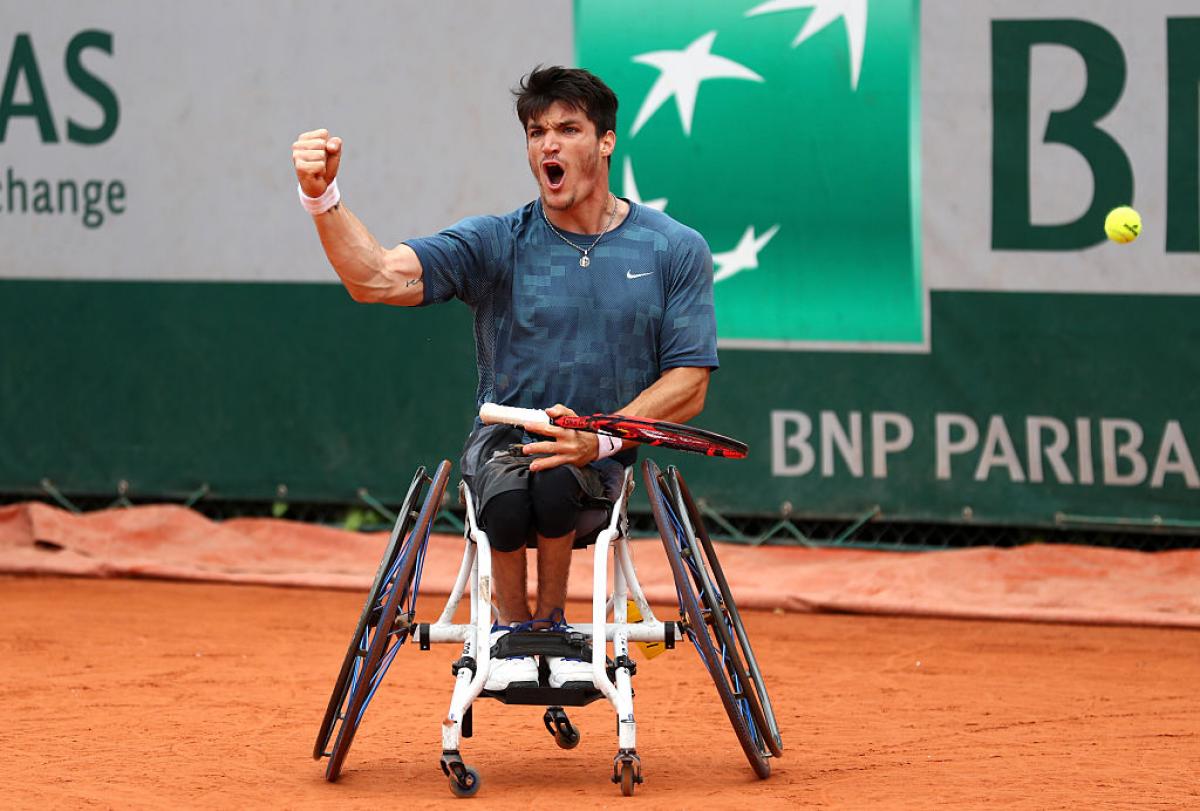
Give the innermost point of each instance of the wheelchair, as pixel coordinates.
(708, 618)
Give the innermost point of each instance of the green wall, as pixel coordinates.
(247, 386)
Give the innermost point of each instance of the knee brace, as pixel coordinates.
(507, 520)
(557, 498)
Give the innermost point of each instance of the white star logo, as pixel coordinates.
(681, 75)
(824, 12)
(744, 256)
(631, 189)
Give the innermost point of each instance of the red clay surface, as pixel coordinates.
(131, 694)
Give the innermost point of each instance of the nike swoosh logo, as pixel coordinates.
(629, 274)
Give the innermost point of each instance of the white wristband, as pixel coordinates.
(319, 205)
(608, 445)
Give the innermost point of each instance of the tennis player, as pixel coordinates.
(582, 300)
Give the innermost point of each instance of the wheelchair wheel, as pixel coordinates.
(707, 621)
(627, 780)
(375, 642)
(747, 665)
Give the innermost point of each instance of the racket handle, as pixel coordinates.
(511, 415)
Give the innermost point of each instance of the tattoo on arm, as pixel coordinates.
(412, 282)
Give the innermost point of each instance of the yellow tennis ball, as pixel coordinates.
(1123, 224)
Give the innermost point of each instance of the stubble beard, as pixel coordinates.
(564, 206)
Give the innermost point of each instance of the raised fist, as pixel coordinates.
(316, 157)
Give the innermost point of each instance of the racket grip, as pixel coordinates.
(511, 415)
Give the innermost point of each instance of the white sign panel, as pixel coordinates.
(1079, 143)
(152, 140)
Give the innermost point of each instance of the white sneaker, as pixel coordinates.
(519, 671)
(566, 672)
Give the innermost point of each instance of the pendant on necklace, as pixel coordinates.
(584, 261)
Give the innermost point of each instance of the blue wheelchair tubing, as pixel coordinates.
(352, 663)
(424, 525)
(373, 657)
(691, 611)
(743, 660)
(743, 704)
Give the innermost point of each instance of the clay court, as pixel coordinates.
(149, 693)
(942, 257)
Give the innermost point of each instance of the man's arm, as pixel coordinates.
(370, 273)
(677, 396)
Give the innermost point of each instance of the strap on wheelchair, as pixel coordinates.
(570, 644)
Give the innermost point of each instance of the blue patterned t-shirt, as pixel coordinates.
(549, 331)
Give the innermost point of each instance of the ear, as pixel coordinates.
(608, 143)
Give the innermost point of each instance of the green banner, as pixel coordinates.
(784, 132)
(234, 388)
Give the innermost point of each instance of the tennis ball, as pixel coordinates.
(1123, 224)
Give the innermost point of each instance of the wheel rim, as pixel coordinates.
(353, 658)
(714, 655)
(748, 672)
(393, 596)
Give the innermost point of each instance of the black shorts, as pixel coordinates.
(493, 464)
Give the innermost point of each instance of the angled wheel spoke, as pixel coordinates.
(706, 621)
(385, 621)
(739, 652)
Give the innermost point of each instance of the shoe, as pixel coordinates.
(566, 672)
(515, 671)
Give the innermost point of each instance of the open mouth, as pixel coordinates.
(554, 174)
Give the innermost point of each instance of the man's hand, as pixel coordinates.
(316, 157)
(566, 446)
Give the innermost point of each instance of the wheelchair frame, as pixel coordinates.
(722, 644)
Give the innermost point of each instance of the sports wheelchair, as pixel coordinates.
(708, 617)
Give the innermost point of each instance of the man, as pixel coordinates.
(580, 298)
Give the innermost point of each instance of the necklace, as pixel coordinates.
(584, 260)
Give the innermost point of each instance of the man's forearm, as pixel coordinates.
(369, 272)
(677, 396)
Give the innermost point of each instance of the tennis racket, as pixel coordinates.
(638, 429)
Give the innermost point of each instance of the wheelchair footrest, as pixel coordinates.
(545, 696)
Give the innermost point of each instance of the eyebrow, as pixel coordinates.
(566, 122)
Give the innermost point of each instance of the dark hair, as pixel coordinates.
(574, 87)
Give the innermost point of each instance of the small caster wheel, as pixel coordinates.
(560, 726)
(627, 781)
(464, 783)
(627, 770)
(567, 738)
